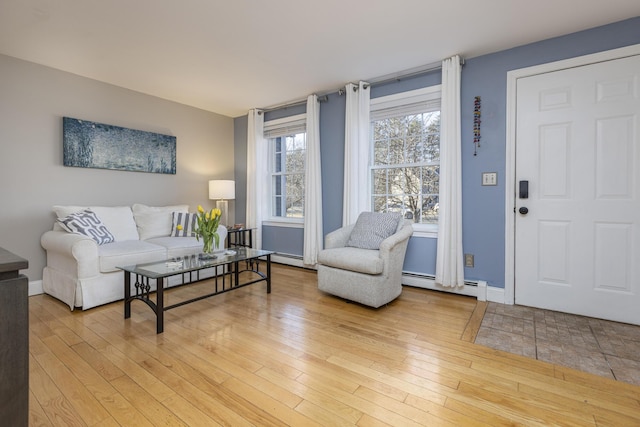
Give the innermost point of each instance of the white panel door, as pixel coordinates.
(577, 249)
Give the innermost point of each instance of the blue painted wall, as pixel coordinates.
(284, 240)
(483, 218)
(483, 207)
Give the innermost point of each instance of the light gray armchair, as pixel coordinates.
(368, 276)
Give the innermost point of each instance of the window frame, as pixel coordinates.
(401, 103)
(282, 127)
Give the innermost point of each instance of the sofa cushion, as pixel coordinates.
(187, 222)
(128, 252)
(155, 221)
(87, 223)
(372, 228)
(118, 219)
(355, 259)
(178, 247)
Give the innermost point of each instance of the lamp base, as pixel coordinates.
(223, 205)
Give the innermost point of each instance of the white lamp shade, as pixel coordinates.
(222, 189)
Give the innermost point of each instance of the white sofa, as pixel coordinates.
(82, 273)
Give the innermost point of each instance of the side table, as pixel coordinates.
(240, 237)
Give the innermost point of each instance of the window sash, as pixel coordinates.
(418, 101)
(280, 197)
(285, 126)
(421, 101)
(281, 171)
(405, 110)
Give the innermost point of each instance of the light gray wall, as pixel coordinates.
(33, 100)
(240, 133)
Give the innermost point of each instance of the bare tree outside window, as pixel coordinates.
(287, 187)
(406, 166)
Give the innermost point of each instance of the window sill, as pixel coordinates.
(422, 231)
(284, 223)
(418, 229)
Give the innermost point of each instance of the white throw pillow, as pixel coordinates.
(119, 220)
(155, 221)
(63, 211)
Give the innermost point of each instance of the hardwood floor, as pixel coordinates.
(299, 357)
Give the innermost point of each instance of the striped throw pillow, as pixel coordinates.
(188, 224)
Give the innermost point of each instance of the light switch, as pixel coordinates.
(490, 178)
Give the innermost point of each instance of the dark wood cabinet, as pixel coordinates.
(14, 340)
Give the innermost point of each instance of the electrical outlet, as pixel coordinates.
(468, 260)
(490, 178)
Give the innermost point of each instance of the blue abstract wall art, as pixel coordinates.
(96, 145)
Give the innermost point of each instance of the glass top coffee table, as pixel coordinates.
(234, 266)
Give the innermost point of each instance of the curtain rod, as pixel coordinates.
(412, 72)
(321, 98)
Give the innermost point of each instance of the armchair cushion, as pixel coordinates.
(354, 259)
(372, 228)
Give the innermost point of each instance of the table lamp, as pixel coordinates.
(222, 190)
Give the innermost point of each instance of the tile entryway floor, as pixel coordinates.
(597, 346)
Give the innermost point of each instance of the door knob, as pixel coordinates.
(523, 210)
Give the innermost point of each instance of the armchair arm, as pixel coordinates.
(392, 242)
(338, 238)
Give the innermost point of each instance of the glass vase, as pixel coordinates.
(207, 243)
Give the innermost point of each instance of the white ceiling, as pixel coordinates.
(229, 56)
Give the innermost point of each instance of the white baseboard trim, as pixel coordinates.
(35, 287)
(495, 294)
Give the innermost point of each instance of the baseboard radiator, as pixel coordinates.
(472, 288)
(288, 259)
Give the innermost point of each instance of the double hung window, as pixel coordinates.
(405, 155)
(287, 151)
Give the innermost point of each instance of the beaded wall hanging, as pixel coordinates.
(476, 125)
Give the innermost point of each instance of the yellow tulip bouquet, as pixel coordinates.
(208, 222)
